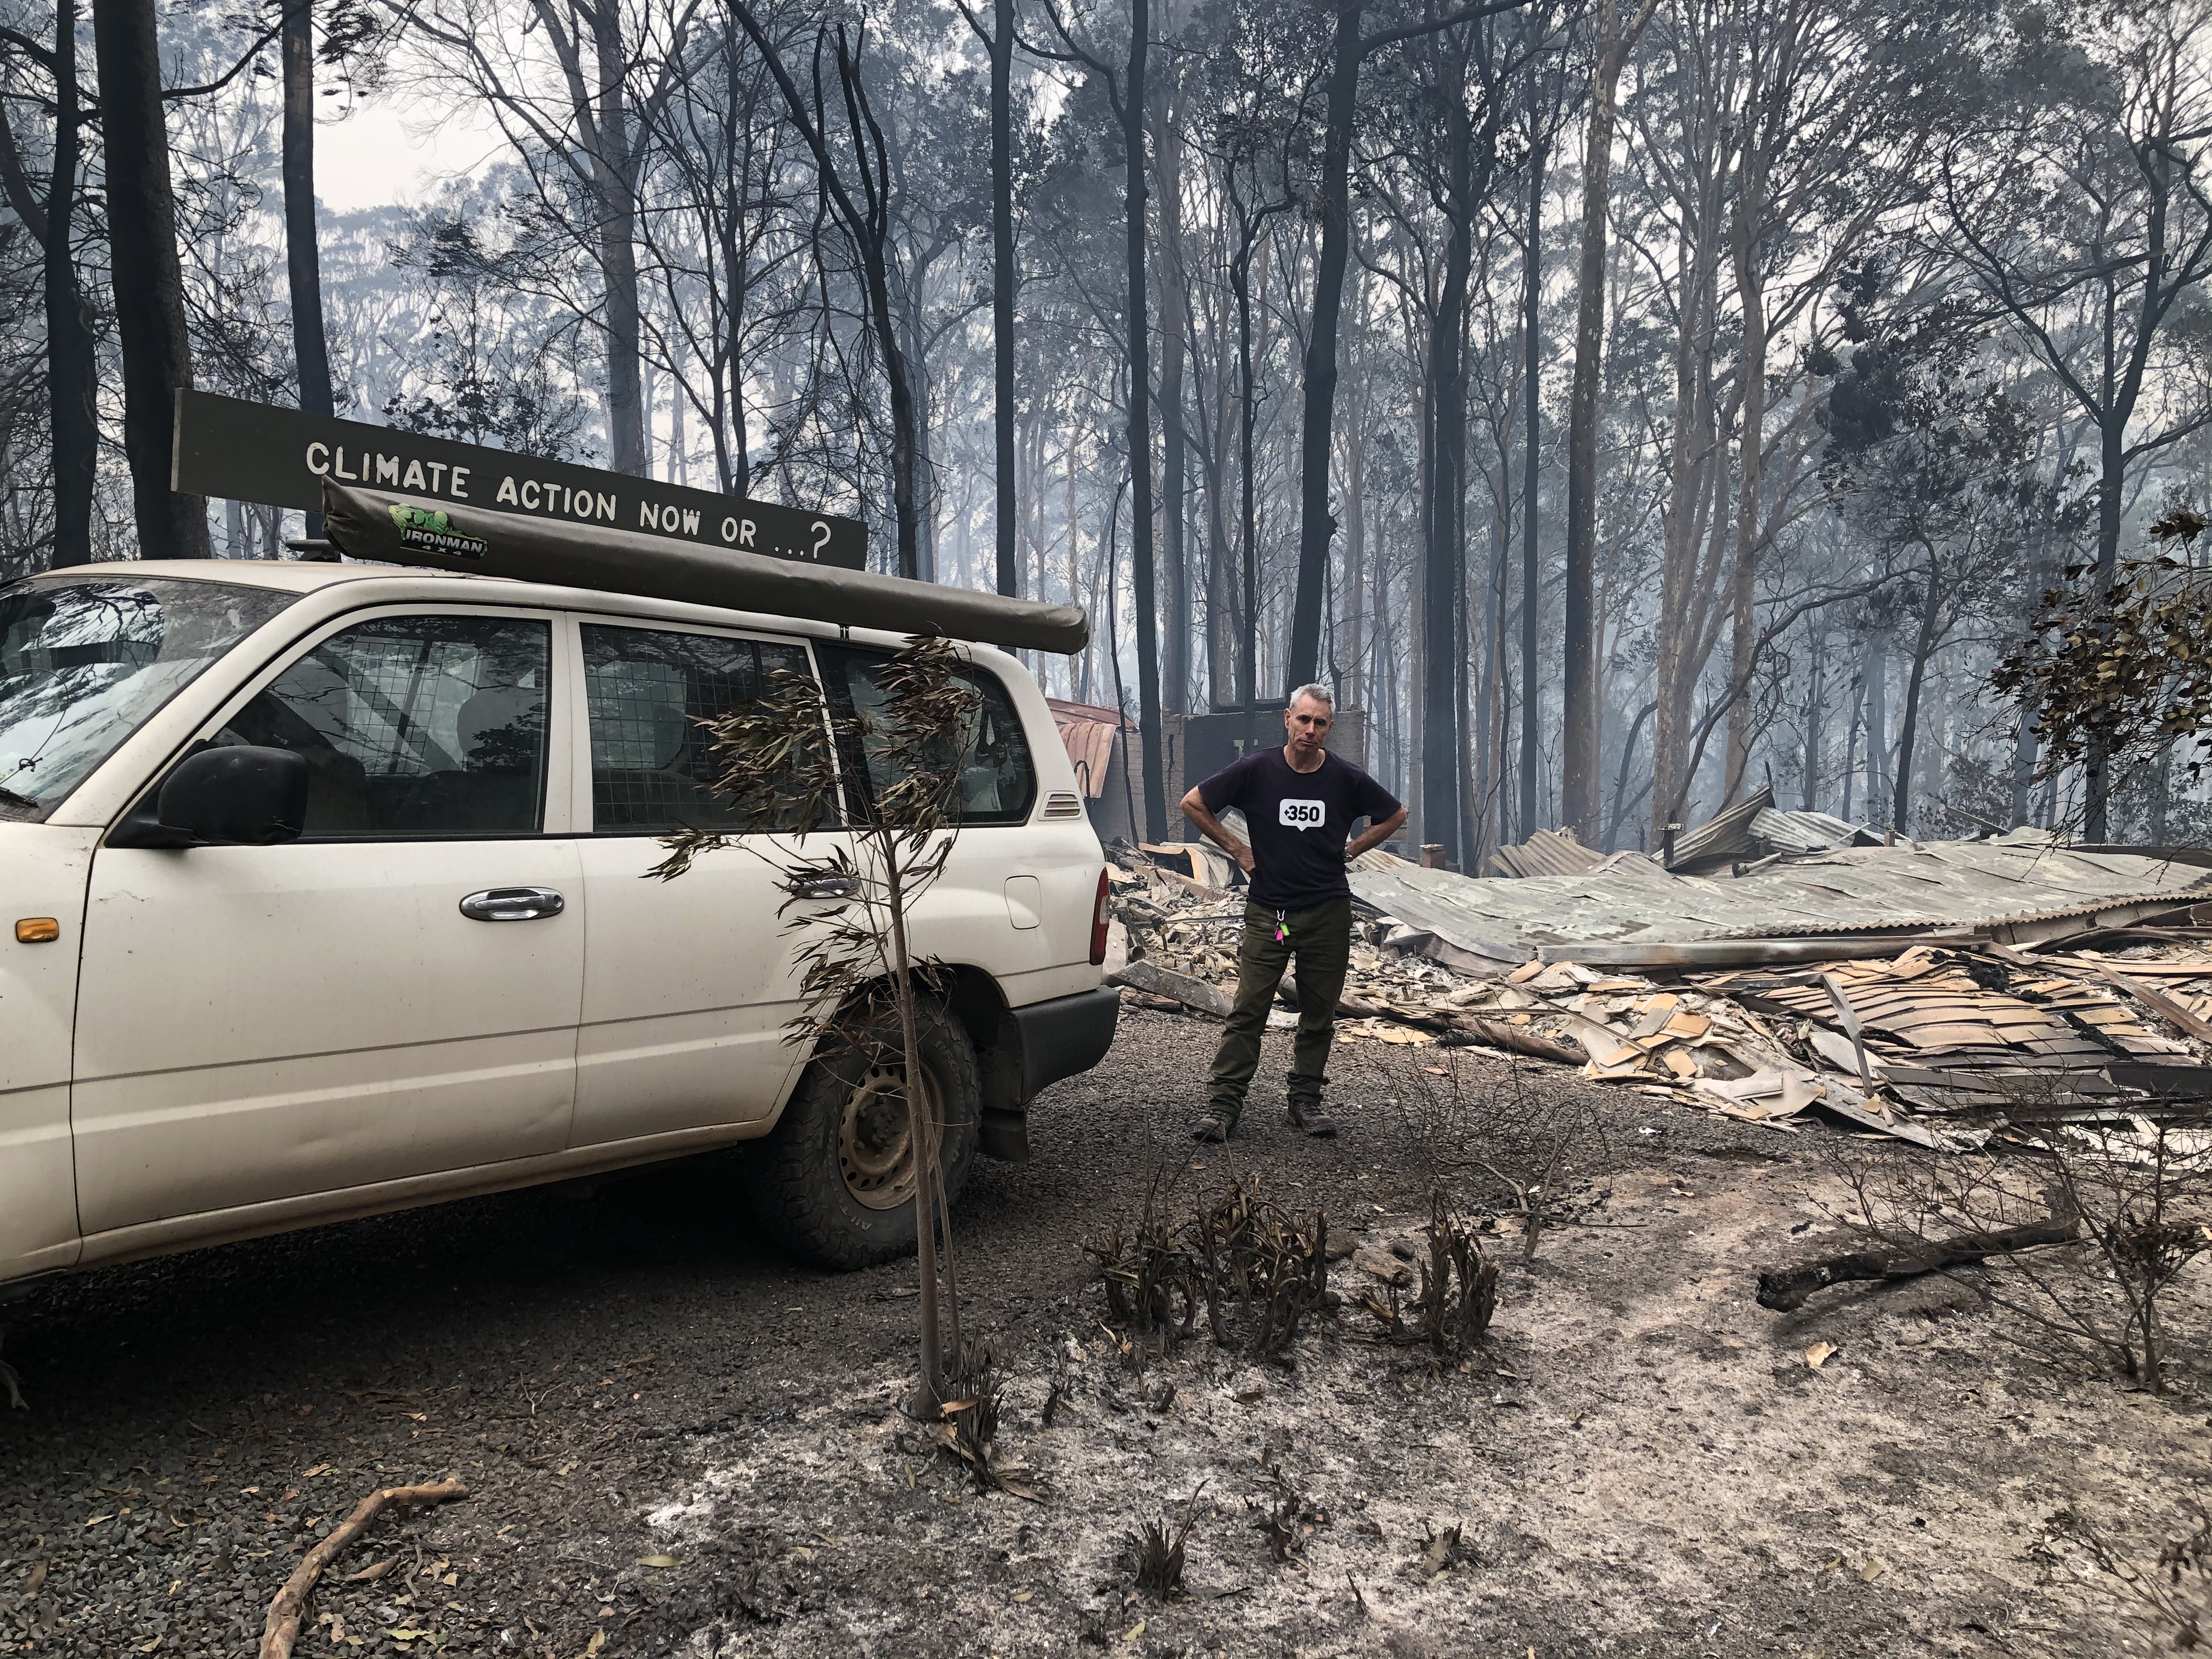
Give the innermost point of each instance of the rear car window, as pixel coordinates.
(415, 726)
(648, 693)
(998, 775)
(83, 664)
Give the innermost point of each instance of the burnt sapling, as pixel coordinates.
(1527, 1133)
(887, 778)
(1287, 1519)
(1458, 1294)
(1256, 1271)
(1150, 1275)
(1261, 1270)
(1155, 1548)
(2172, 1591)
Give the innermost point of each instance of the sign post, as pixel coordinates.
(248, 452)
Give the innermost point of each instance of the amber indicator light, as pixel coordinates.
(37, 930)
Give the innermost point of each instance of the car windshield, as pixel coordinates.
(83, 663)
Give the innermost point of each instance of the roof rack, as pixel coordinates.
(378, 525)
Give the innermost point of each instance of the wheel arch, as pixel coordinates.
(975, 999)
(1019, 1052)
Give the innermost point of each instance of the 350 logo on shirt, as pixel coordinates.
(1301, 814)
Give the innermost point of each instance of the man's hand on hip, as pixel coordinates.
(1243, 854)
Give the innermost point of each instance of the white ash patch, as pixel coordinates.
(1638, 1461)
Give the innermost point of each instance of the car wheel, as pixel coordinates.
(834, 1179)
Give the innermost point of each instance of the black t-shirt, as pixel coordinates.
(1298, 822)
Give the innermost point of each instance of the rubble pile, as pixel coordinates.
(1932, 1039)
(1972, 1033)
(1949, 1031)
(1181, 937)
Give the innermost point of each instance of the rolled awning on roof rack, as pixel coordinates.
(375, 524)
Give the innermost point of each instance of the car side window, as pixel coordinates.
(648, 692)
(415, 726)
(998, 776)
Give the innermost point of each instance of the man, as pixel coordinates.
(1299, 803)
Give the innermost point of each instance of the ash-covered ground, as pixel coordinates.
(678, 1442)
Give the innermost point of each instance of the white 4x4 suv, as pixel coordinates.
(456, 977)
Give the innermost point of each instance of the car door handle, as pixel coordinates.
(825, 887)
(513, 904)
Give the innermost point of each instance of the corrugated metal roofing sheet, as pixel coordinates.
(1545, 853)
(2014, 879)
(1778, 831)
(1726, 835)
(1755, 828)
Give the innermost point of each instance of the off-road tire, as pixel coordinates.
(795, 1175)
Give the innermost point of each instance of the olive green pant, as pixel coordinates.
(1320, 940)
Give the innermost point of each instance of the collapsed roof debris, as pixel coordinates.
(1754, 830)
(1923, 990)
(1627, 911)
(1751, 835)
(1547, 852)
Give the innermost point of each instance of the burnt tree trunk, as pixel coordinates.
(1353, 692)
(1579, 690)
(1786, 1290)
(149, 279)
(1141, 432)
(1175, 462)
(1815, 715)
(303, 264)
(1444, 543)
(1317, 527)
(613, 176)
(1925, 640)
(72, 368)
(1002, 292)
(1744, 226)
(916, 346)
(1532, 566)
(2096, 760)
(1248, 596)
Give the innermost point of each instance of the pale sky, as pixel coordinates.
(380, 154)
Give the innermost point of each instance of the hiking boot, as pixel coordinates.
(1312, 1117)
(1213, 1126)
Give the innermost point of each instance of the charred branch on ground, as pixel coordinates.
(2138, 1192)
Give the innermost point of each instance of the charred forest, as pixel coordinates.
(1624, 404)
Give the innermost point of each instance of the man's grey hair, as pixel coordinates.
(1320, 693)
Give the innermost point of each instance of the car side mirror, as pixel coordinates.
(237, 796)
